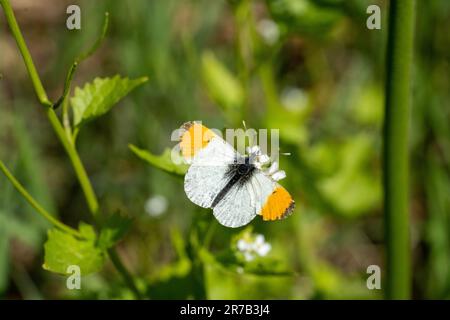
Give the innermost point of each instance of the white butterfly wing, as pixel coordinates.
(262, 187)
(237, 208)
(206, 175)
(273, 202)
(243, 202)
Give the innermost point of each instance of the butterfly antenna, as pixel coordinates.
(250, 137)
(285, 153)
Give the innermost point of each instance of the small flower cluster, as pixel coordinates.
(260, 159)
(252, 247)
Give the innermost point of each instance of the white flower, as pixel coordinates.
(263, 159)
(261, 247)
(259, 240)
(274, 173)
(243, 245)
(273, 167)
(293, 98)
(264, 249)
(156, 205)
(277, 176)
(269, 31)
(251, 247)
(260, 160)
(248, 256)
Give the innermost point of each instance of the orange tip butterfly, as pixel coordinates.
(234, 186)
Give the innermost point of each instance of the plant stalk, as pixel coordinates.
(12, 22)
(43, 99)
(80, 171)
(128, 278)
(35, 204)
(395, 148)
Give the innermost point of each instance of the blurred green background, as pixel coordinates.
(309, 68)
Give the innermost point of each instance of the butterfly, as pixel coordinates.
(234, 186)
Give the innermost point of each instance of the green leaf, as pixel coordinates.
(163, 161)
(222, 86)
(307, 17)
(174, 281)
(63, 250)
(114, 228)
(98, 97)
(350, 184)
(87, 231)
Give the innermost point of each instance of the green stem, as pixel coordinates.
(242, 15)
(67, 85)
(66, 121)
(35, 204)
(269, 88)
(97, 43)
(395, 152)
(118, 264)
(70, 149)
(11, 19)
(80, 171)
(78, 60)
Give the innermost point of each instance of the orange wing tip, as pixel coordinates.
(279, 205)
(289, 210)
(186, 126)
(194, 136)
